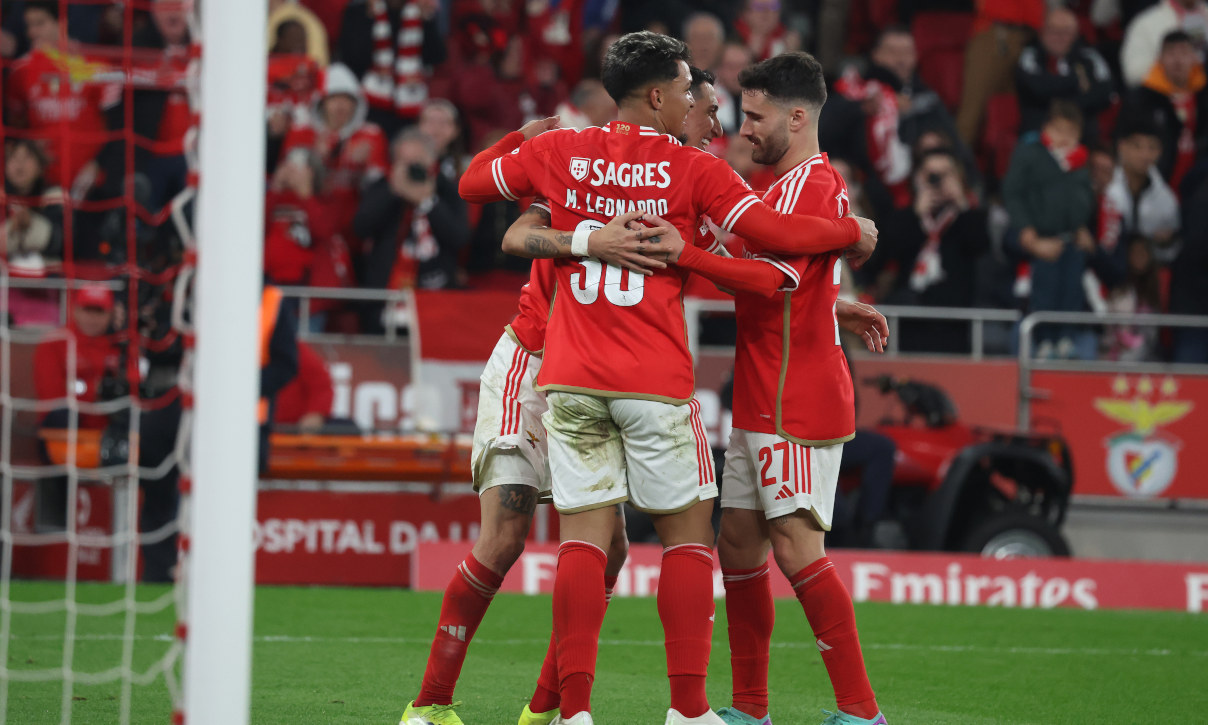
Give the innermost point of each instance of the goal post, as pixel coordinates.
(230, 211)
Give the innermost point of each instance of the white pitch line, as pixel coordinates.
(892, 646)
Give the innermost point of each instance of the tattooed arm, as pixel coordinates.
(623, 241)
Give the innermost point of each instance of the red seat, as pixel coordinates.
(1000, 134)
(941, 39)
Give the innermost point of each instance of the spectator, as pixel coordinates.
(278, 359)
(734, 57)
(1139, 292)
(1145, 37)
(36, 98)
(487, 82)
(298, 222)
(555, 42)
(760, 28)
(1058, 65)
(352, 150)
(1000, 32)
(589, 105)
(1174, 95)
(307, 28)
(1189, 279)
(1047, 192)
(164, 115)
(97, 355)
(33, 227)
(415, 224)
(102, 375)
(439, 121)
(899, 109)
(930, 253)
(306, 400)
(290, 39)
(387, 44)
(1137, 202)
(705, 36)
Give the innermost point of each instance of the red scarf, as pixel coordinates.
(396, 81)
(928, 267)
(1067, 159)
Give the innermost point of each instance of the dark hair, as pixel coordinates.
(787, 77)
(1137, 124)
(46, 6)
(1065, 111)
(286, 25)
(700, 77)
(889, 30)
(1177, 36)
(941, 152)
(639, 59)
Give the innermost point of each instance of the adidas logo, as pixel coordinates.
(454, 631)
(823, 646)
(785, 492)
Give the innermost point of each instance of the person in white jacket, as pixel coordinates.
(1143, 37)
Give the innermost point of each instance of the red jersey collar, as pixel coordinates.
(808, 162)
(632, 129)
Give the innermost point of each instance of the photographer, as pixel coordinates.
(414, 223)
(931, 253)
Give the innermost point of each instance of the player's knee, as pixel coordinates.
(738, 546)
(793, 554)
(499, 551)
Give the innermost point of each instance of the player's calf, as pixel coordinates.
(506, 516)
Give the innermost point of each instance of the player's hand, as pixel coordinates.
(865, 321)
(858, 253)
(623, 242)
(668, 243)
(533, 129)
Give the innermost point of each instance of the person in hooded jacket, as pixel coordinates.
(353, 151)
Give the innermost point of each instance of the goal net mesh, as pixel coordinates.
(80, 638)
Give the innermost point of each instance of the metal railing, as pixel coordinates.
(977, 317)
(305, 295)
(1028, 363)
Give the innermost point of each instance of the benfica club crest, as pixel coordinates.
(579, 167)
(1142, 461)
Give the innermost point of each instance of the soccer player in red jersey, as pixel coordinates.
(622, 423)
(793, 409)
(518, 473)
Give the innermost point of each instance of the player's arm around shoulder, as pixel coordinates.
(623, 242)
(496, 173)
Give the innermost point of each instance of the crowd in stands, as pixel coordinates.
(1015, 153)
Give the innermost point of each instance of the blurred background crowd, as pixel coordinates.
(1015, 153)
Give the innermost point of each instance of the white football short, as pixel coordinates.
(765, 472)
(509, 439)
(603, 451)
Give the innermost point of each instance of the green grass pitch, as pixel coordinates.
(325, 655)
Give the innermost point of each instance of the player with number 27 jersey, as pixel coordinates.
(790, 375)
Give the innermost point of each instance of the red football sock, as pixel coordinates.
(466, 600)
(685, 601)
(546, 697)
(828, 608)
(750, 615)
(578, 615)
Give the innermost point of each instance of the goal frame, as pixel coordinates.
(230, 213)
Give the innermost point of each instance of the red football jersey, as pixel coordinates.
(612, 333)
(790, 375)
(58, 98)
